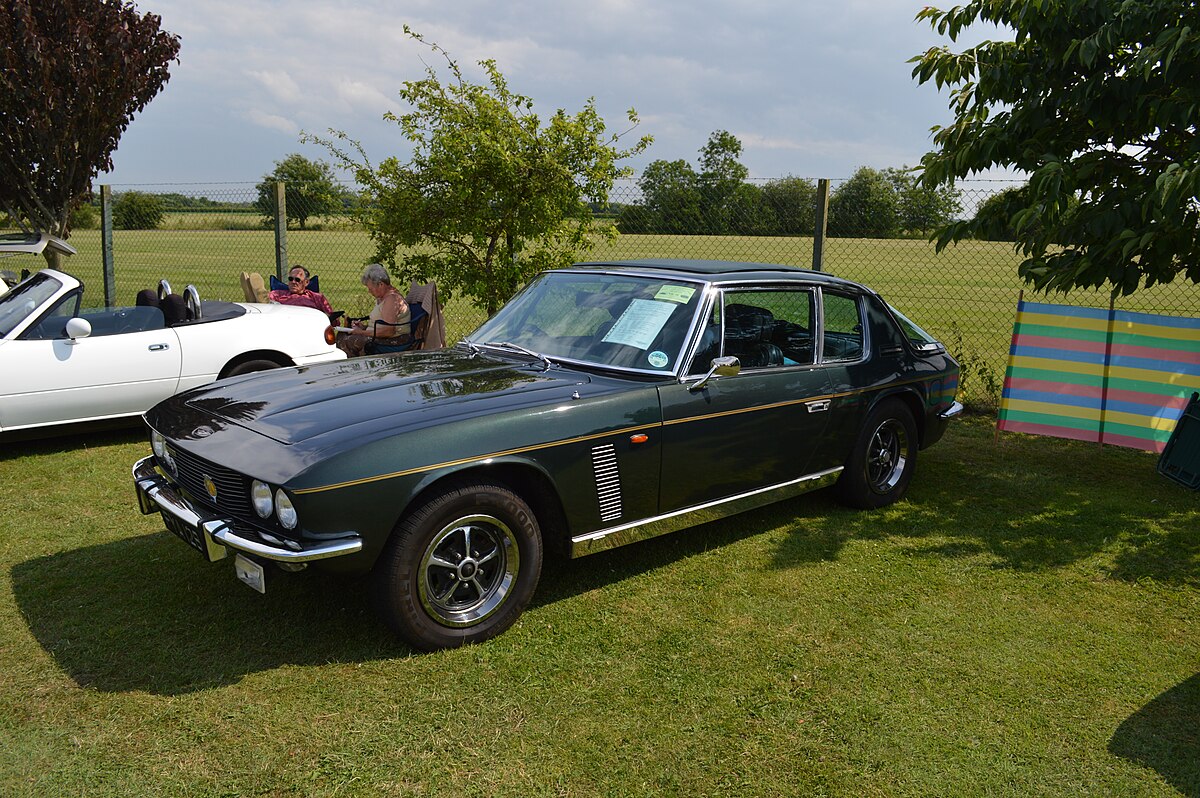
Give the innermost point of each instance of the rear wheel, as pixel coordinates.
(261, 364)
(460, 569)
(882, 463)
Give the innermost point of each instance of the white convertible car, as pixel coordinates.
(62, 363)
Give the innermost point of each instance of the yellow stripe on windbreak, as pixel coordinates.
(1067, 366)
(1051, 409)
(1157, 331)
(1151, 375)
(1064, 322)
(1165, 424)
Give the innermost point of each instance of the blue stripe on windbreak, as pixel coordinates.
(1058, 354)
(1160, 321)
(1050, 397)
(1064, 310)
(1155, 364)
(1137, 408)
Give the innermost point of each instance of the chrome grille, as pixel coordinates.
(233, 489)
(608, 481)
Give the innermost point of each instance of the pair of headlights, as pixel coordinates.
(265, 501)
(280, 504)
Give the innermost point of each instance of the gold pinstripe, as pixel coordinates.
(481, 457)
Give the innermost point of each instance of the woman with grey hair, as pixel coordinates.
(388, 323)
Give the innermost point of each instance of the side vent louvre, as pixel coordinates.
(608, 481)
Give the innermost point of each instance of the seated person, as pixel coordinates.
(391, 311)
(297, 292)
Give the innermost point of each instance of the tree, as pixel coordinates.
(309, 190)
(1098, 101)
(137, 210)
(865, 206)
(72, 75)
(922, 207)
(671, 196)
(720, 176)
(794, 200)
(491, 195)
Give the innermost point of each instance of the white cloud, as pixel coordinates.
(272, 121)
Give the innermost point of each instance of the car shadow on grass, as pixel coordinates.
(148, 614)
(1164, 736)
(1024, 503)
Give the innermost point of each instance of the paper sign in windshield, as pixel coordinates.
(641, 322)
(676, 293)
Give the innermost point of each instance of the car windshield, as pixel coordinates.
(612, 320)
(23, 299)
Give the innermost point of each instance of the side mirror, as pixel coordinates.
(728, 366)
(78, 328)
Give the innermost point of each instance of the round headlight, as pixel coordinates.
(284, 510)
(163, 452)
(260, 497)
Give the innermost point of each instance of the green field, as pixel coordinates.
(1024, 623)
(966, 295)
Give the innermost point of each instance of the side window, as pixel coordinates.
(843, 328)
(765, 329)
(54, 323)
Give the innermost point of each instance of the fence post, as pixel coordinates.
(822, 216)
(106, 247)
(281, 258)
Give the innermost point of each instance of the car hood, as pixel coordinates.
(370, 397)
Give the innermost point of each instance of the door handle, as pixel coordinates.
(817, 406)
(159, 347)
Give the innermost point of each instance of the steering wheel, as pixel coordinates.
(164, 288)
(191, 298)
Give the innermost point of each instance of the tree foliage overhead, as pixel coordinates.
(491, 195)
(72, 75)
(1098, 101)
(310, 189)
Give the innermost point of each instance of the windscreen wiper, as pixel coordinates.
(518, 348)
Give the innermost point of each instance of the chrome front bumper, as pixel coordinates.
(213, 537)
(952, 411)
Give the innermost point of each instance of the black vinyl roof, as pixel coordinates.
(720, 270)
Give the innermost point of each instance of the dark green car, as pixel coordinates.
(606, 403)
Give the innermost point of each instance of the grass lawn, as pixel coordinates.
(1026, 622)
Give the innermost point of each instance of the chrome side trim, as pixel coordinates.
(952, 411)
(614, 536)
(157, 494)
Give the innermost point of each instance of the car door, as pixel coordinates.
(760, 427)
(54, 379)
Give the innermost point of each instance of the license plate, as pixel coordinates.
(251, 573)
(189, 534)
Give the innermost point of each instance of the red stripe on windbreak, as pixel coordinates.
(1062, 388)
(1157, 353)
(1065, 344)
(1130, 442)
(1045, 429)
(1138, 397)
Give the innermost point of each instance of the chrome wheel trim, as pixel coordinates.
(468, 570)
(887, 456)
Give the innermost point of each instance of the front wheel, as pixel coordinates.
(881, 465)
(460, 569)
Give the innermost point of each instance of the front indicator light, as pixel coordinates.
(260, 497)
(330, 335)
(285, 511)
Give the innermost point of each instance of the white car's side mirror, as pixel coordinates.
(78, 328)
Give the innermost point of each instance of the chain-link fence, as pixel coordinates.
(207, 235)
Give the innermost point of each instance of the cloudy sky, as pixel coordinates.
(812, 89)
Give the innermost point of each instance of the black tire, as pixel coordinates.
(460, 569)
(261, 364)
(884, 457)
